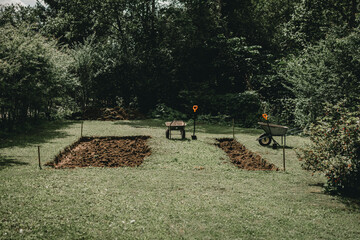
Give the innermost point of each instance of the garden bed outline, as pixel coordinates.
(255, 158)
(68, 148)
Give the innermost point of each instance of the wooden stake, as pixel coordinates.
(39, 157)
(81, 134)
(284, 143)
(233, 128)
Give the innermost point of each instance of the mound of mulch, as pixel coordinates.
(103, 152)
(242, 157)
(108, 114)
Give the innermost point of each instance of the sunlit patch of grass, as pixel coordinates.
(185, 189)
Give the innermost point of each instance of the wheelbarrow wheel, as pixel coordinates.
(265, 140)
(167, 134)
(183, 134)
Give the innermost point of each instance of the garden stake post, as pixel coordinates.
(39, 157)
(195, 108)
(282, 140)
(233, 129)
(284, 143)
(82, 124)
(194, 136)
(266, 118)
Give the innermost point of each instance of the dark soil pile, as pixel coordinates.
(242, 157)
(108, 114)
(103, 152)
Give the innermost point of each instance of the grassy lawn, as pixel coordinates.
(167, 197)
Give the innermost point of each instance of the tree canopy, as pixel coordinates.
(284, 54)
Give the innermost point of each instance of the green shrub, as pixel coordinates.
(314, 76)
(218, 119)
(244, 107)
(336, 148)
(164, 112)
(281, 111)
(34, 75)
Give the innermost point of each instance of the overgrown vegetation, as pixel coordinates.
(336, 148)
(181, 52)
(324, 73)
(33, 75)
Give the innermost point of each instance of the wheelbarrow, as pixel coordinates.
(272, 130)
(175, 125)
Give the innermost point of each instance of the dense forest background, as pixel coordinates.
(233, 58)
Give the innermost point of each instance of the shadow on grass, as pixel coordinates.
(180, 140)
(350, 200)
(352, 203)
(317, 184)
(7, 162)
(38, 134)
(278, 147)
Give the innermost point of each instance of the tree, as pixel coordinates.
(316, 75)
(312, 20)
(33, 74)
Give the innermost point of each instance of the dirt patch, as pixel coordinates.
(103, 152)
(108, 114)
(242, 157)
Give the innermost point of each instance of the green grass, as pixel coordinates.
(166, 197)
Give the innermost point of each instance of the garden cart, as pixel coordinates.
(272, 130)
(175, 125)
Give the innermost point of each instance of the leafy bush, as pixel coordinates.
(34, 74)
(219, 119)
(281, 110)
(336, 148)
(244, 107)
(164, 112)
(315, 75)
